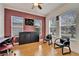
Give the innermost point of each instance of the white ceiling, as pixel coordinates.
(27, 7)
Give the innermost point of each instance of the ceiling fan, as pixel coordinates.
(38, 5)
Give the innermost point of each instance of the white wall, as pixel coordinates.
(1, 20)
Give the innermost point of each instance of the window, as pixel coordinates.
(53, 26)
(37, 24)
(68, 24)
(16, 25)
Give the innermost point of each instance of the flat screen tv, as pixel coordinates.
(29, 22)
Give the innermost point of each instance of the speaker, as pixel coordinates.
(29, 22)
(57, 18)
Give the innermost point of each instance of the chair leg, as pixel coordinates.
(62, 51)
(66, 52)
(49, 42)
(54, 45)
(69, 50)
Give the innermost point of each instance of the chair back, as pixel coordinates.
(49, 36)
(65, 40)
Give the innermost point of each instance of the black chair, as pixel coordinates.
(6, 47)
(49, 39)
(63, 42)
(8, 41)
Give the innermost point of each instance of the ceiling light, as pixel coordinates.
(36, 4)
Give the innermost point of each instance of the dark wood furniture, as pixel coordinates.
(28, 37)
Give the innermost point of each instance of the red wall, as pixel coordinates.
(28, 28)
(7, 23)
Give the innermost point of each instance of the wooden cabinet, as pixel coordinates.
(28, 37)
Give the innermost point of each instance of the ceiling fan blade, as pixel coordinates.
(39, 7)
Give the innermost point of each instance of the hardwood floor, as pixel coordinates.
(39, 49)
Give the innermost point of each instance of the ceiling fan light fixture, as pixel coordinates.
(36, 4)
